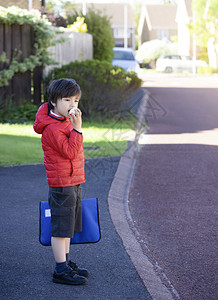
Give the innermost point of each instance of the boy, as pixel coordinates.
(64, 160)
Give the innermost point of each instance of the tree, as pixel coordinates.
(69, 7)
(206, 21)
(50, 7)
(99, 26)
(152, 50)
(204, 25)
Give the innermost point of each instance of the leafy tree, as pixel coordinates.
(69, 7)
(78, 26)
(99, 26)
(50, 6)
(206, 21)
(152, 50)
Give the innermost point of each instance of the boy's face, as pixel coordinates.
(64, 105)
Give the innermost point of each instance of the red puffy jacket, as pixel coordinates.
(63, 149)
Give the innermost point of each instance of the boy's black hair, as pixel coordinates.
(62, 88)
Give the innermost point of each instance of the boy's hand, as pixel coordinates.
(76, 120)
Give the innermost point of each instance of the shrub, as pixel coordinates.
(10, 113)
(43, 38)
(78, 26)
(105, 88)
(99, 26)
(208, 70)
(203, 55)
(152, 50)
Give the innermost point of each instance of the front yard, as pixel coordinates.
(19, 144)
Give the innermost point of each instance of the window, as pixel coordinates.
(123, 55)
(162, 34)
(186, 58)
(119, 33)
(175, 57)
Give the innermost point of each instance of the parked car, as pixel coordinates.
(177, 63)
(125, 58)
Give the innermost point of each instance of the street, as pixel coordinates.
(174, 192)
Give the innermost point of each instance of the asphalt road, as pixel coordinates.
(174, 191)
(26, 267)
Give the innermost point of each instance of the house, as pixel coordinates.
(24, 4)
(157, 22)
(183, 18)
(116, 13)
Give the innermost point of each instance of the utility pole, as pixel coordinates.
(30, 4)
(84, 7)
(194, 71)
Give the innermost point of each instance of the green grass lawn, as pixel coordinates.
(19, 144)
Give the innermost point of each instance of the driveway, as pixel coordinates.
(27, 266)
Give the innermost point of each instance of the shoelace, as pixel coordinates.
(73, 265)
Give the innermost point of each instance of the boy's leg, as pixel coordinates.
(63, 273)
(67, 248)
(59, 249)
(79, 271)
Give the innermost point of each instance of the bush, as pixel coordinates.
(203, 55)
(10, 113)
(208, 70)
(152, 50)
(43, 38)
(105, 88)
(99, 26)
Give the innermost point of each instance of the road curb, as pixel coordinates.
(121, 217)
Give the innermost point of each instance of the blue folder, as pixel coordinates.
(91, 232)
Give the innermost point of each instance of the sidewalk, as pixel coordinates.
(27, 266)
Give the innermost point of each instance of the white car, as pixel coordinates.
(177, 63)
(125, 58)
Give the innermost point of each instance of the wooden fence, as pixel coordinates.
(29, 85)
(78, 46)
(23, 86)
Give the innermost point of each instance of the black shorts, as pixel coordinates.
(66, 210)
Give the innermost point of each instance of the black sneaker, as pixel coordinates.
(68, 277)
(80, 272)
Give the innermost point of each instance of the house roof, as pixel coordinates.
(184, 11)
(161, 16)
(115, 11)
(188, 4)
(158, 16)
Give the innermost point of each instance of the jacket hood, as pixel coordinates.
(43, 118)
